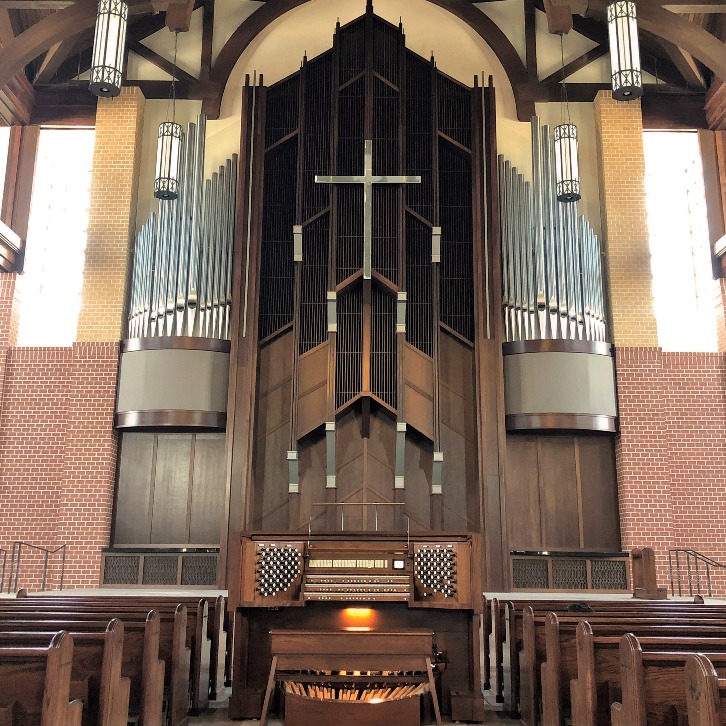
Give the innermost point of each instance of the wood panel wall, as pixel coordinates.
(170, 489)
(561, 493)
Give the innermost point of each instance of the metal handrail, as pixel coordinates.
(2, 572)
(693, 559)
(15, 556)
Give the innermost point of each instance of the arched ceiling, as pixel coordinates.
(44, 50)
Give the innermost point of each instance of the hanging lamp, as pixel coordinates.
(567, 168)
(109, 45)
(627, 81)
(168, 150)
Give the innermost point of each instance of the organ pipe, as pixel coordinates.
(551, 265)
(182, 268)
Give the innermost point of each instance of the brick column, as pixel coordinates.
(112, 215)
(86, 499)
(641, 450)
(619, 129)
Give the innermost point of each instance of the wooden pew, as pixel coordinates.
(35, 685)
(140, 661)
(97, 659)
(705, 693)
(205, 645)
(653, 685)
(598, 668)
(171, 650)
(196, 630)
(545, 634)
(600, 609)
(511, 612)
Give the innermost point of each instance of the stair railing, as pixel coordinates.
(695, 565)
(15, 559)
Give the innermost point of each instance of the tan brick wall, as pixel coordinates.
(619, 129)
(111, 224)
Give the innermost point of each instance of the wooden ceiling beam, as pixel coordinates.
(17, 98)
(716, 106)
(578, 63)
(159, 61)
(179, 16)
(685, 64)
(54, 57)
(207, 39)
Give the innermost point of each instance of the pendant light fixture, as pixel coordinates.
(109, 45)
(168, 150)
(627, 81)
(567, 167)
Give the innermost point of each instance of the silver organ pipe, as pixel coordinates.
(182, 268)
(551, 266)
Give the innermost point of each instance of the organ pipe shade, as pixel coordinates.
(166, 183)
(627, 82)
(566, 164)
(109, 43)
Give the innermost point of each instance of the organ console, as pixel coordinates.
(340, 583)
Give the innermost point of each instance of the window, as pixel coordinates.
(684, 291)
(51, 285)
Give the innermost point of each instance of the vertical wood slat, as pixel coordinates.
(244, 334)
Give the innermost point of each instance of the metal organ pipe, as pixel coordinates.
(551, 268)
(182, 268)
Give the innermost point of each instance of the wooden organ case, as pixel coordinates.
(376, 582)
(365, 368)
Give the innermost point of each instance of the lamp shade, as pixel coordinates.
(627, 82)
(109, 44)
(168, 156)
(567, 167)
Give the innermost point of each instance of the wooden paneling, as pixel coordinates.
(558, 493)
(311, 410)
(561, 492)
(171, 489)
(132, 522)
(417, 494)
(271, 480)
(600, 519)
(523, 506)
(207, 496)
(312, 454)
(420, 412)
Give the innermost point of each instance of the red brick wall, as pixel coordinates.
(671, 453)
(58, 456)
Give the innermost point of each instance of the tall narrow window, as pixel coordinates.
(4, 147)
(55, 248)
(683, 287)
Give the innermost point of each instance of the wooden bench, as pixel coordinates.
(542, 652)
(510, 613)
(96, 674)
(196, 633)
(171, 651)
(598, 669)
(599, 609)
(206, 666)
(705, 692)
(35, 685)
(653, 685)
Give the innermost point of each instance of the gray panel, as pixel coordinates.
(559, 383)
(160, 569)
(199, 570)
(188, 380)
(123, 570)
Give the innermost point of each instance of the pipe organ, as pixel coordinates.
(182, 272)
(175, 362)
(558, 367)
